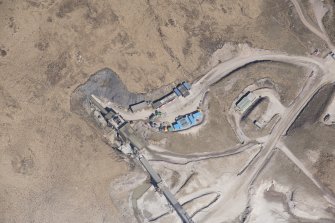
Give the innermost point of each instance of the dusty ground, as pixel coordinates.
(307, 9)
(204, 176)
(215, 135)
(314, 145)
(286, 79)
(282, 172)
(312, 141)
(329, 20)
(53, 166)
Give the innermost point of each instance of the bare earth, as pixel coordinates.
(57, 167)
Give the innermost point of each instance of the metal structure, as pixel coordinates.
(154, 176)
(186, 121)
(162, 101)
(94, 101)
(246, 101)
(177, 206)
(127, 133)
(131, 139)
(139, 106)
(181, 89)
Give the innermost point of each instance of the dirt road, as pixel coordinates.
(182, 160)
(324, 74)
(186, 105)
(327, 194)
(316, 31)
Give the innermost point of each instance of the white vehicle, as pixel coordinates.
(333, 55)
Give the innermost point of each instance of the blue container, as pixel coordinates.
(177, 92)
(187, 85)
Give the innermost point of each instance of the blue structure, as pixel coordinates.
(182, 89)
(187, 85)
(187, 121)
(177, 92)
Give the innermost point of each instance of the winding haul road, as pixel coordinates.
(186, 105)
(324, 73)
(273, 140)
(185, 159)
(327, 69)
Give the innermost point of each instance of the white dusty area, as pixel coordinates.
(152, 204)
(264, 211)
(201, 203)
(195, 157)
(121, 190)
(328, 116)
(220, 176)
(213, 177)
(273, 202)
(327, 194)
(320, 10)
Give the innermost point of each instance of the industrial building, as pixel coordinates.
(139, 106)
(126, 132)
(108, 114)
(162, 101)
(246, 101)
(116, 121)
(130, 141)
(186, 121)
(181, 90)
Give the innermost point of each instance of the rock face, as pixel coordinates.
(104, 84)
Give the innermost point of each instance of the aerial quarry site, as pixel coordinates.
(198, 111)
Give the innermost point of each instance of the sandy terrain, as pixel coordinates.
(312, 141)
(329, 20)
(215, 135)
(286, 79)
(55, 167)
(286, 193)
(313, 144)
